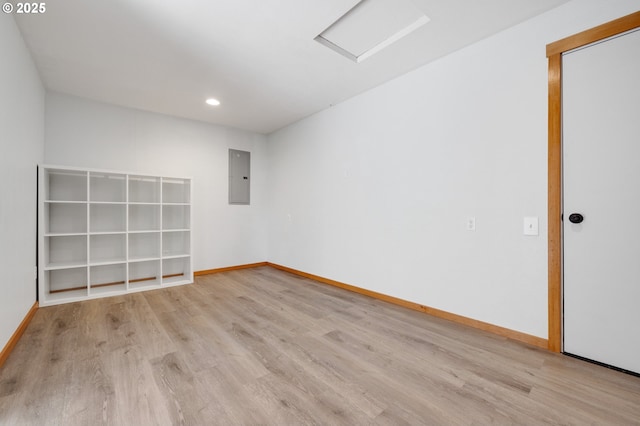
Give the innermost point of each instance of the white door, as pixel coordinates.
(601, 174)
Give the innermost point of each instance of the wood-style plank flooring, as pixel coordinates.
(263, 347)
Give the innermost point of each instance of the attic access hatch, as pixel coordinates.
(370, 26)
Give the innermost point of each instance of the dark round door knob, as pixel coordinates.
(576, 218)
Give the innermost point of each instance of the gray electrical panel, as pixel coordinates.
(239, 176)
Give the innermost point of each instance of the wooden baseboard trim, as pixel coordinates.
(229, 268)
(501, 331)
(8, 348)
(495, 329)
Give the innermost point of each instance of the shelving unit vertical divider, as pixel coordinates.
(41, 231)
(126, 228)
(161, 227)
(190, 228)
(88, 230)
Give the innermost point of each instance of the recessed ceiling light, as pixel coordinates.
(213, 102)
(370, 26)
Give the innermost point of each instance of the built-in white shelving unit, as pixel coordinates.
(105, 233)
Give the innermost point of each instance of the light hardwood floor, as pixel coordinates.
(261, 346)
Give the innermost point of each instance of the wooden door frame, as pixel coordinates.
(554, 191)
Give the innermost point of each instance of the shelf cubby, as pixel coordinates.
(108, 278)
(144, 245)
(65, 218)
(176, 191)
(107, 217)
(144, 274)
(176, 270)
(175, 217)
(107, 187)
(175, 243)
(67, 283)
(65, 251)
(144, 217)
(144, 189)
(107, 248)
(65, 185)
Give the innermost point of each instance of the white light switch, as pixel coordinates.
(471, 224)
(531, 225)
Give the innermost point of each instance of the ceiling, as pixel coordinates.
(258, 57)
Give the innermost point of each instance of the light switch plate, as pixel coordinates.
(530, 226)
(471, 223)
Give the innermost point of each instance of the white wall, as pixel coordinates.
(21, 149)
(84, 133)
(375, 191)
